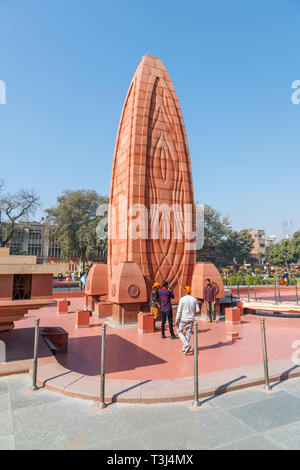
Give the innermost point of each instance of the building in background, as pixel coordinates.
(259, 248)
(270, 240)
(38, 239)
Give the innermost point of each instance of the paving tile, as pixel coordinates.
(7, 443)
(250, 443)
(6, 427)
(200, 431)
(145, 416)
(291, 386)
(285, 437)
(134, 442)
(263, 415)
(26, 397)
(239, 398)
(3, 387)
(5, 402)
(19, 381)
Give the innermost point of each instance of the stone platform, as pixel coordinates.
(145, 368)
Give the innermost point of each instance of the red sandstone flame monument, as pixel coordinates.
(152, 229)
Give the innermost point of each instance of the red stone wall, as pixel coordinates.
(41, 286)
(6, 286)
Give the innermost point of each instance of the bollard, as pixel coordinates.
(238, 289)
(35, 354)
(279, 299)
(264, 344)
(196, 401)
(255, 292)
(248, 293)
(231, 291)
(102, 403)
(275, 293)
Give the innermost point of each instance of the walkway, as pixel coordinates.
(245, 419)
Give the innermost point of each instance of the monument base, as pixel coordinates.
(103, 309)
(203, 309)
(125, 313)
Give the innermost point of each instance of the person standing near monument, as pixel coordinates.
(165, 296)
(154, 298)
(210, 299)
(286, 277)
(187, 308)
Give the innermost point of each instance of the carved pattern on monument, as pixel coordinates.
(133, 291)
(163, 161)
(113, 290)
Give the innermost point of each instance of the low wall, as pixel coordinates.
(67, 294)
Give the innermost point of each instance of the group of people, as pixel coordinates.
(284, 280)
(187, 308)
(71, 278)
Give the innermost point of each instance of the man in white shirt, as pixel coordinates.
(187, 308)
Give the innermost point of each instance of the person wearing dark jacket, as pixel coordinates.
(165, 296)
(210, 299)
(154, 298)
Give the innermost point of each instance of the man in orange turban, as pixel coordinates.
(154, 298)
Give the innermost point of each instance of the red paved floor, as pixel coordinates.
(132, 355)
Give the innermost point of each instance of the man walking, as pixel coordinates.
(165, 296)
(154, 298)
(210, 299)
(187, 308)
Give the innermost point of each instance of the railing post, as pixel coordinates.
(296, 286)
(248, 293)
(264, 344)
(35, 353)
(238, 289)
(279, 299)
(102, 403)
(255, 292)
(275, 291)
(196, 401)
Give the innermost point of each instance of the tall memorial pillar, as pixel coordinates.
(152, 215)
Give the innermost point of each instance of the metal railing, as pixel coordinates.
(276, 293)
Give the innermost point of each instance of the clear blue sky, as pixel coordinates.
(67, 65)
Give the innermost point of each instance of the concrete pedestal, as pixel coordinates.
(145, 322)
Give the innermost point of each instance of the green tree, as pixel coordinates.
(237, 247)
(216, 228)
(76, 221)
(282, 253)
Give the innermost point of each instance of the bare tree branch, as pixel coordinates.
(17, 206)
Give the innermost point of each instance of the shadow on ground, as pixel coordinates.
(84, 355)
